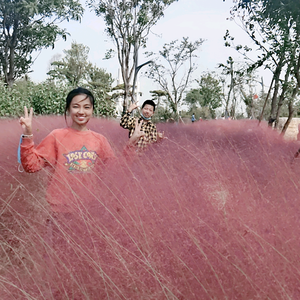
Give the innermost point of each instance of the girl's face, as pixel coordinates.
(80, 111)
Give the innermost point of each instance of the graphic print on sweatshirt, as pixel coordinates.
(81, 160)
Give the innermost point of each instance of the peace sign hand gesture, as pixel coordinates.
(26, 121)
(138, 132)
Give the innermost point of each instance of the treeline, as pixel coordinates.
(237, 91)
(45, 98)
(72, 70)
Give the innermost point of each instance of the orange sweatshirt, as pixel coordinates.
(75, 157)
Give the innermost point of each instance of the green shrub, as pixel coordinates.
(46, 98)
(11, 101)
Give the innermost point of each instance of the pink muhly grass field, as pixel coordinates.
(212, 212)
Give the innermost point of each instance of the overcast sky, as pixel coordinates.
(206, 19)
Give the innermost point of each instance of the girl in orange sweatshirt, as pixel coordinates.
(75, 154)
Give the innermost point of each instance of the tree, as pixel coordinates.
(174, 73)
(74, 67)
(238, 87)
(158, 96)
(101, 84)
(274, 28)
(209, 94)
(193, 98)
(231, 97)
(99, 79)
(27, 26)
(128, 23)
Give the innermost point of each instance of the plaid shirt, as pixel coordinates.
(128, 122)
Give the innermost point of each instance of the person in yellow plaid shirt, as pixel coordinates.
(147, 133)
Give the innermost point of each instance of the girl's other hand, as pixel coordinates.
(26, 121)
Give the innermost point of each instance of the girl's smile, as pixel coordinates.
(80, 111)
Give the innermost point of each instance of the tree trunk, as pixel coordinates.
(291, 109)
(11, 60)
(230, 88)
(126, 80)
(233, 106)
(285, 85)
(267, 97)
(277, 73)
(283, 91)
(289, 119)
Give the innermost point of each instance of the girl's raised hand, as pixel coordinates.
(26, 121)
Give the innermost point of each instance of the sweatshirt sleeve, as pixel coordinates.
(35, 158)
(127, 121)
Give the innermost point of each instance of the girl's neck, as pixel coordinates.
(79, 127)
